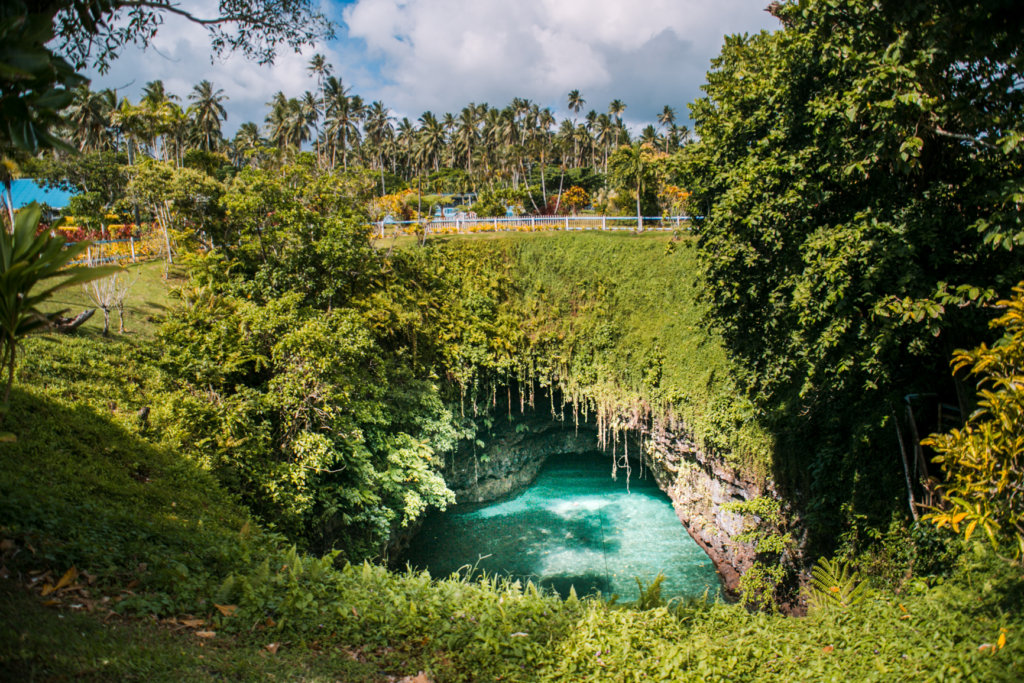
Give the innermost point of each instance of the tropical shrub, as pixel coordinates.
(983, 462)
(32, 268)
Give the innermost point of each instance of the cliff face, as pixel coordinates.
(698, 484)
(512, 455)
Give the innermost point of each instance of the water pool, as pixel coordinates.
(574, 526)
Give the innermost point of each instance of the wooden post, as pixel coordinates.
(906, 468)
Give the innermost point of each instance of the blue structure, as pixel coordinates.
(26, 191)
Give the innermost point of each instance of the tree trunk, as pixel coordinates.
(639, 218)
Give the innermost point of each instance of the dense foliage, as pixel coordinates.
(151, 533)
(984, 461)
(859, 174)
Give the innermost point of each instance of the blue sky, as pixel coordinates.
(439, 55)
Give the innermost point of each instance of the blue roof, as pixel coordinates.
(26, 191)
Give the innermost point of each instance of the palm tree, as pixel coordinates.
(615, 109)
(378, 132)
(406, 140)
(287, 125)
(131, 123)
(90, 118)
(576, 103)
(628, 167)
(174, 128)
(430, 141)
(156, 103)
(343, 113)
(604, 133)
(649, 136)
(667, 118)
(247, 141)
(545, 120)
(207, 112)
(319, 69)
(465, 137)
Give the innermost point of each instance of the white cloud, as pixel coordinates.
(180, 56)
(441, 54)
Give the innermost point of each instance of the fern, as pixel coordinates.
(650, 596)
(834, 584)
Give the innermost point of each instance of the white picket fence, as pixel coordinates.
(461, 225)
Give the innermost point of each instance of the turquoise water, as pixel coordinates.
(574, 526)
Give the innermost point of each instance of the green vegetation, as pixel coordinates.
(599, 317)
(271, 426)
(982, 461)
(857, 172)
(94, 485)
(32, 268)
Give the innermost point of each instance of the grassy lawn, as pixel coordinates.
(145, 304)
(401, 241)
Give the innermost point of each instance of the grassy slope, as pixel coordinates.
(620, 323)
(85, 485)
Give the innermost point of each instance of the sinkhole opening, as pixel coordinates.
(573, 526)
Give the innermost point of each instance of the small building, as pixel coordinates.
(24, 191)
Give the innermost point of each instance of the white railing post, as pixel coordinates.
(533, 223)
(566, 222)
(604, 222)
(131, 243)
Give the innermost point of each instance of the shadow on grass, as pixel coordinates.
(85, 491)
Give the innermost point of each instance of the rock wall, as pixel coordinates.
(699, 485)
(512, 455)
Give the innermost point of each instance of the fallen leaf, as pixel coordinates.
(355, 613)
(418, 678)
(69, 576)
(7, 437)
(206, 634)
(47, 589)
(7, 544)
(827, 649)
(272, 648)
(191, 623)
(226, 610)
(51, 603)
